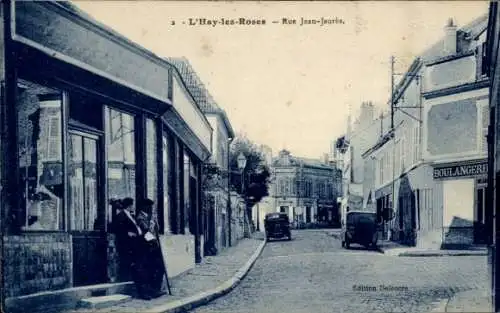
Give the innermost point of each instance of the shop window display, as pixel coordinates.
(39, 134)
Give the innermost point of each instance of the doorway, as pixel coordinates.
(480, 221)
(86, 213)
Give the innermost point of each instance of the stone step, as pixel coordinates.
(102, 301)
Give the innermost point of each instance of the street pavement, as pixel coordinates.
(313, 273)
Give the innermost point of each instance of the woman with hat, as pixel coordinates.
(151, 267)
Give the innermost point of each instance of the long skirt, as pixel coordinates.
(151, 269)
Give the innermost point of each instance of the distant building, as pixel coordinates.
(305, 189)
(266, 204)
(348, 151)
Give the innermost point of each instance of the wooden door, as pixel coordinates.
(87, 218)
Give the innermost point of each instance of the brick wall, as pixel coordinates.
(37, 262)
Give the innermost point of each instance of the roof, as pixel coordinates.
(199, 91)
(465, 36)
(300, 161)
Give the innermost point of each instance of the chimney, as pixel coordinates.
(367, 113)
(450, 37)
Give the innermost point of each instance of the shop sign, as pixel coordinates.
(475, 169)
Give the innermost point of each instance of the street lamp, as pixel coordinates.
(242, 162)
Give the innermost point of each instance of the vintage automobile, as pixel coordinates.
(361, 228)
(277, 225)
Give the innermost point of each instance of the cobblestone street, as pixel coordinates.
(313, 273)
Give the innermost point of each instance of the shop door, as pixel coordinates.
(479, 223)
(196, 220)
(86, 212)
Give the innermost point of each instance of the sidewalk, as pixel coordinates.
(478, 301)
(395, 249)
(212, 278)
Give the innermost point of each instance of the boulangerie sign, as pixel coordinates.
(475, 169)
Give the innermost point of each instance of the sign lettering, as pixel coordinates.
(461, 170)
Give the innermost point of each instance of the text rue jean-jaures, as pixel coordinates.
(300, 21)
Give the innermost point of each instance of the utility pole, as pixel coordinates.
(392, 93)
(391, 132)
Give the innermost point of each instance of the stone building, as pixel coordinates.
(89, 116)
(266, 204)
(348, 152)
(430, 168)
(304, 189)
(491, 67)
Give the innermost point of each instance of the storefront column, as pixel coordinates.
(9, 171)
(141, 157)
(179, 157)
(161, 179)
(198, 214)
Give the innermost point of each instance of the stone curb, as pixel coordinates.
(432, 254)
(205, 297)
(441, 306)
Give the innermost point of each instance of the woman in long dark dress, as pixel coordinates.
(127, 238)
(151, 266)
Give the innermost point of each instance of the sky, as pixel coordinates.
(285, 85)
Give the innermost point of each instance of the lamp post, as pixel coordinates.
(242, 162)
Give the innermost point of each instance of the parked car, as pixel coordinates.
(360, 228)
(277, 225)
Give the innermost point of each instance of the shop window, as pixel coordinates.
(151, 164)
(121, 155)
(39, 120)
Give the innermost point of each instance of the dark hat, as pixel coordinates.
(126, 202)
(146, 202)
(41, 196)
(116, 203)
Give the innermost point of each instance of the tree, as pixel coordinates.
(256, 174)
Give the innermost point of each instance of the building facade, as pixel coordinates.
(348, 152)
(427, 170)
(492, 66)
(90, 116)
(305, 190)
(215, 179)
(266, 204)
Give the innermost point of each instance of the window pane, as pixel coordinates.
(39, 123)
(83, 190)
(151, 164)
(90, 181)
(76, 185)
(121, 155)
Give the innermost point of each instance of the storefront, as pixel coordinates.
(89, 116)
(464, 195)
